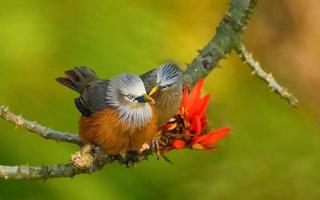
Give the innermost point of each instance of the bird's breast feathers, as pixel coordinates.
(106, 129)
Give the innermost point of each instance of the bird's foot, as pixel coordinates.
(156, 144)
(144, 147)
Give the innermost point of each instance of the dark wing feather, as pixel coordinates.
(77, 78)
(82, 107)
(67, 82)
(93, 98)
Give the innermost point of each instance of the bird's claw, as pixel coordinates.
(156, 142)
(144, 147)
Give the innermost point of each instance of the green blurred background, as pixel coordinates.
(273, 151)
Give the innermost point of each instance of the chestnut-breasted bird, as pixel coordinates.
(117, 114)
(165, 86)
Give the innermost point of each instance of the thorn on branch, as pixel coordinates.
(227, 16)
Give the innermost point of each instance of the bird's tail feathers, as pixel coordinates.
(77, 78)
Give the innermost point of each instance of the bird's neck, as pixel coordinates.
(135, 117)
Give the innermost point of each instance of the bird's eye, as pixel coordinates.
(130, 96)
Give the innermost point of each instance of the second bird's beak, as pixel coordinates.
(154, 89)
(149, 99)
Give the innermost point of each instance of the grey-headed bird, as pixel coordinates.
(165, 86)
(117, 114)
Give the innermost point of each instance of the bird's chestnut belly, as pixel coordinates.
(105, 129)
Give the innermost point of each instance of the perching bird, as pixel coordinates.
(165, 86)
(117, 115)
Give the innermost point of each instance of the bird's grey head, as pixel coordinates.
(169, 76)
(127, 94)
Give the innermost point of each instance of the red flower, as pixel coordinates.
(193, 107)
(193, 129)
(207, 140)
(178, 144)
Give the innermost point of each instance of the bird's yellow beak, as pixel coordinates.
(154, 89)
(149, 99)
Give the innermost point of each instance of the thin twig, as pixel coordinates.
(40, 130)
(267, 77)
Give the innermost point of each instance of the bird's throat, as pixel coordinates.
(135, 116)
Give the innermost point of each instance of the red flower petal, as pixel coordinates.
(203, 105)
(179, 144)
(200, 107)
(184, 100)
(196, 125)
(192, 111)
(204, 121)
(194, 95)
(212, 137)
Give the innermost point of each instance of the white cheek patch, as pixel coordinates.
(131, 112)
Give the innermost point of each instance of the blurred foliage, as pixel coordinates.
(272, 152)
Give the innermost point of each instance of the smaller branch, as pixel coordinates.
(40, 130)
(273, 84)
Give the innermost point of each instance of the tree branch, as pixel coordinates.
(40, 130)
(229, 36)
(268, 78)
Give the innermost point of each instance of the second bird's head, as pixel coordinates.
(169, 77)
